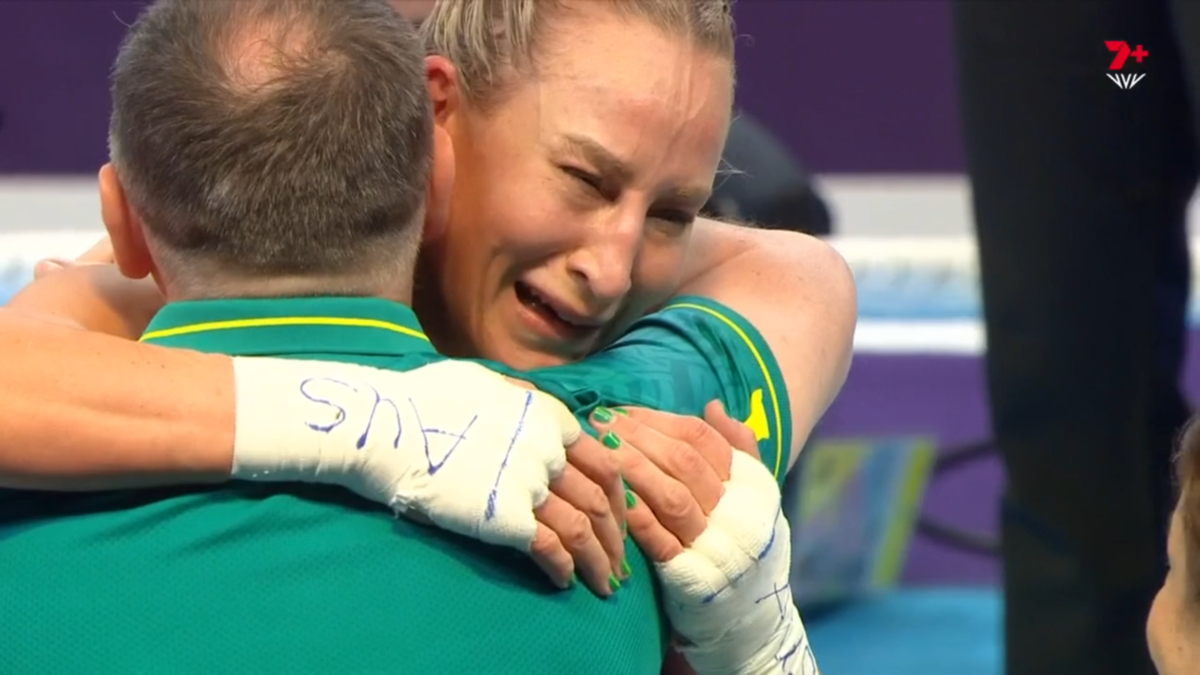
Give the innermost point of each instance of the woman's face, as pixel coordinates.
(1171, 631)
(574, 196)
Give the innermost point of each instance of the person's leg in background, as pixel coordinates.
(1080, 191)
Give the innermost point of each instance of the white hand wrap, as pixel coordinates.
(451, 441)
(728, 593)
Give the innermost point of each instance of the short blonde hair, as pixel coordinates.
(490, 40)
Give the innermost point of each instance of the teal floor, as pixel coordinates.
(926, 631)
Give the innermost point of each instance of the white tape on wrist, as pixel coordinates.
(728, 593)
(274, 439)
(451, 441)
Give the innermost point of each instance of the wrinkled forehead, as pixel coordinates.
(648, 96)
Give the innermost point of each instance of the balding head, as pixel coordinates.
(273, 137)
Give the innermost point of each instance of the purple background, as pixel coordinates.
(863, 86)
(853, 86)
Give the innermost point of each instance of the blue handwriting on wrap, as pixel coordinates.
(342, 417)
(317, 390)
(490, 512)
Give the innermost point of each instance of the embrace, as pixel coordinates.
(354, 272)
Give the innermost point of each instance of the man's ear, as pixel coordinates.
(441, 79)
(124, 226)
(441, 183)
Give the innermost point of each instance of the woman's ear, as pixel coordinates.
(441, 79)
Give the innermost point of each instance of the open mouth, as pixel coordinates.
(543, 308)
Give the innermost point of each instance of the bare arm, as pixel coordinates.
(798, 292)
(126, 430)
(794, 288)
(96, 298)
(96, 411)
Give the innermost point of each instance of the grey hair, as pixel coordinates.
(274, 137)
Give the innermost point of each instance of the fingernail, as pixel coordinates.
(626, 569)
(630, 500)
(614, 583)
(573, 580)
(621, 411)
(602, 415)
(610, 441)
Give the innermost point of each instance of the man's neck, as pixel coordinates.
(287, 287)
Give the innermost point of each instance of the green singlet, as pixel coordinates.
(281, 578)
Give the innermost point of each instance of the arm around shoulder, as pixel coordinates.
(798, 292)
(94, 297)
(84, 411)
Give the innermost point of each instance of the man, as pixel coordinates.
(296, 578)
(414, 10)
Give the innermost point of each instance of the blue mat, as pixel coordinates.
(926, 631)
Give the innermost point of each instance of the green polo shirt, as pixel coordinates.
(679, 359)
(280, 578)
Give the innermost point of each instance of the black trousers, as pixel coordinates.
(1080, 190)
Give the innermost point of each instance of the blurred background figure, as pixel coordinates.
(1081, 188)
(765, 184)
(849, 123)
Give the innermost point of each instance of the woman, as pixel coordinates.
(604, 229)
(611, 160)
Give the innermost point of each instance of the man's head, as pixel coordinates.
(415, 11)
(1173, 627)
(272, 147)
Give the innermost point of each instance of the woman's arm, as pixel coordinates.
(88, 411)
(109, 389)
(94, 297)
(795, 289)
(798, 292)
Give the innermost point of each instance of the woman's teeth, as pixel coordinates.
(530, 297)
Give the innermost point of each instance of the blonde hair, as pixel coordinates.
(491, 40)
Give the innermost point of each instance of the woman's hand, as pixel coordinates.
(675, 467)
(101, 253)
(581, 524)
(580, 528)
(90, 293)
(711, 520)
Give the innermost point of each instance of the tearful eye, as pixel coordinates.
(681, 218)
(590, 180)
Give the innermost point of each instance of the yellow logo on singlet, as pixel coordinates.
(757, 421)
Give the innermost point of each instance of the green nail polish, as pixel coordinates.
(621, 411)
(610, 441)
(626, 569)
(602, 415)
(630, 500)
(614, 583)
